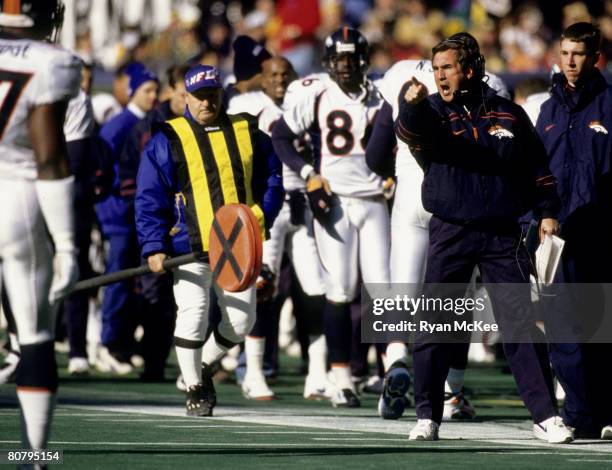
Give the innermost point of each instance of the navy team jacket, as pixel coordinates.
(576, 128)
(481, 157)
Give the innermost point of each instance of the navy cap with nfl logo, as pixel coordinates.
(202, 78)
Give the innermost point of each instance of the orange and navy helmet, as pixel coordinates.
(44, 17)
(346, 40)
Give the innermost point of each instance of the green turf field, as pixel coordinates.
(105, 422)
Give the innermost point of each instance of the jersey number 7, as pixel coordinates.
(11, 87)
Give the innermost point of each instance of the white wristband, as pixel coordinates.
(305, 171)
(55, 198)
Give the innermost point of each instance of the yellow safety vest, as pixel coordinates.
(214, 166)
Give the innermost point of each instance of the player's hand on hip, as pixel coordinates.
(65, 275)
(265, 284)
(389, 187)
(548, 227)
(416, 92)
(156, 262)
(319, 192)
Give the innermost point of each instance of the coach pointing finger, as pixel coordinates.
(416, 92)
(483, 168)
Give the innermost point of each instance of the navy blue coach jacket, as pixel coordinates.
(481, 158)
(575, 126)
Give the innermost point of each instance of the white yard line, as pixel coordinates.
(588, 460)
(220, 426)
(506, 434)
(472, 434)
(199, 444)
(316, 433)
(186, 419)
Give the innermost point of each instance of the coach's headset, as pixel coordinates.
(473, 58)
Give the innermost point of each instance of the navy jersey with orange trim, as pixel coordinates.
(481, 158)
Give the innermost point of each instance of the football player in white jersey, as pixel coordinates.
(351, 216)
(37, 80)
(291, 233)
(409, 220)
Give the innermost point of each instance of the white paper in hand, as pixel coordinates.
(548, 255)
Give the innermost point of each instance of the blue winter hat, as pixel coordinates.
(138, 75)
(248, 57)
(202, 76)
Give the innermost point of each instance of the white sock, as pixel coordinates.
(342, 377)
(254, 352)
(395, 352)
(454, 380)
(36, 412)
(212, 350)
(317, 356)
(190, 363)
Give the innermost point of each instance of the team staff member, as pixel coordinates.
(116, 216)
(157, 309)
(189, 169)
(575, 125)
(483, 168)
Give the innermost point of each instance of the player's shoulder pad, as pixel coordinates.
(305, 89)
(401, 69)
(309, 84)
(396, 77)
(62, 71)
(252, 102)
(495, 82)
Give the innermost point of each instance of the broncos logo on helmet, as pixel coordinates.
(346, 42)
(42, 17)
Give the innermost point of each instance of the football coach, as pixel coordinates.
(484, 167)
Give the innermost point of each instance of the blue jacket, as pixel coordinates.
(158, 210)
(481, 157)
(576, 128)
(116, 214)
(135, 142)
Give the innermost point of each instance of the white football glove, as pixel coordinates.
(65, 275)
(55, 198)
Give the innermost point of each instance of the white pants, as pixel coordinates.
(192, 284)
(27, 261)
(409, 230)
(362, 226)
(298, 241)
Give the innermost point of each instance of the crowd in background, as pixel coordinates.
(514, 35)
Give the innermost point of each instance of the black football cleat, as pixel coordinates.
(197, 404)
